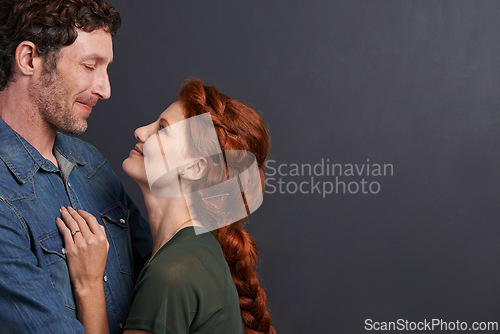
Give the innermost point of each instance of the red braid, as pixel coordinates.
(238, 127)
(241, 255)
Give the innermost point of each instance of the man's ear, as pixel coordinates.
(195, 170)
(27, 59)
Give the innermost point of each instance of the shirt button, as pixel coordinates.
(120, 325)
(122, 220)
(63, 251)
(105, 278)
(69, 184)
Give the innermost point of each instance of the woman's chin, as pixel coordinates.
(125, 166)
(131, 169)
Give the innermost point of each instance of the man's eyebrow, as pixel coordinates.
(97, 57)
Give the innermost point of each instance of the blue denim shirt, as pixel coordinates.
(35, 289)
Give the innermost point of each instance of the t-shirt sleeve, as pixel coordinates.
(165, 299)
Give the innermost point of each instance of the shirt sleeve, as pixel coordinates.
(28, 301)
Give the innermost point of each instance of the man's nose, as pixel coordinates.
(102, 87)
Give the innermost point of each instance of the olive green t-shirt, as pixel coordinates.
(186, 288)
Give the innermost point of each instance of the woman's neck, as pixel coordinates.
(167, 216)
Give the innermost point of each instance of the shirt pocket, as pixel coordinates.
(55, 260)
(116, 222)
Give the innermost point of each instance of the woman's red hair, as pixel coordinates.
(238, 127)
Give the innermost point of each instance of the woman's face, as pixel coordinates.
(161, 147)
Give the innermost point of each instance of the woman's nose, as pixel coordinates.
(141, 134)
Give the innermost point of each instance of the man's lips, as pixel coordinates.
(87, 104)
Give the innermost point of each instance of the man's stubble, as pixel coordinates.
(52, 96)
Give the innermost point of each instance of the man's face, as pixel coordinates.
(65, 97)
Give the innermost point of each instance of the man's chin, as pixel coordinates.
(74, 129)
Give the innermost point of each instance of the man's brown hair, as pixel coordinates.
(50, 25)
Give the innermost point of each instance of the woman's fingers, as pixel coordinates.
(66, 233)
(68, 219)
(95, 228)
(86, 250)
(103, 231)
(71, 223)
(81, 222)
(91, 222)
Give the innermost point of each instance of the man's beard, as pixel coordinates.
(50, 95)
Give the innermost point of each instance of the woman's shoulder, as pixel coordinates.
(188, 260)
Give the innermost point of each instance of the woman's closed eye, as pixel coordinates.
(163, 126)
(163, 129)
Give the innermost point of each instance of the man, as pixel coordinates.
(54, 57)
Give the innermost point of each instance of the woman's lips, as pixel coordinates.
(136, 151)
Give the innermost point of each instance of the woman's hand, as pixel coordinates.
(86, 248)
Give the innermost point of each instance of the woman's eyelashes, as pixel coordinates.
(162, 128)
(163, 124)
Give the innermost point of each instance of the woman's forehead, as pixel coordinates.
(174, 113)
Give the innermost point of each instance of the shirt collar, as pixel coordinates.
(64, 148)
(23, 160)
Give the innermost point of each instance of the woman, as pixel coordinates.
(188, 164)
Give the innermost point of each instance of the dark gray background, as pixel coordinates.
(411, 83)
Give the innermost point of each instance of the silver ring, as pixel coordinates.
(74, 232)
